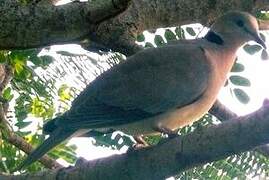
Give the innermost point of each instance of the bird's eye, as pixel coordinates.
(240, 23)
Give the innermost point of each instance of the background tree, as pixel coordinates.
(29, 84)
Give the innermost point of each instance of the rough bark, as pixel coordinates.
(45, 24)
(223, 114)
(34, 25)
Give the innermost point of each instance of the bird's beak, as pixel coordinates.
(258, 39)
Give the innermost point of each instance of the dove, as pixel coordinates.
(157, 90)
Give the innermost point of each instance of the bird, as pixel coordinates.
(157, 90)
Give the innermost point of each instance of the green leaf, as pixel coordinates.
(252, 49)
(169, 35)
(239, 80)
(36, 60)
(19, 66)
(23, 74)
(263, 37)
(2, 57)
(158, 40)
(264, 55)
(66, 155)
(140, 38)
(64, 92)
(22, 124)
(21, 115)
(106, 140)
(190, 31)
(241, 95)
(42, 61)
(22, 107)
(42, 108)
(238, 67)
(23, 133)
(153, 140)
(7, 94)
(66, 53)
(46, 60)
(180, 33)
(262, 15)
(40, 88)
(148, 45)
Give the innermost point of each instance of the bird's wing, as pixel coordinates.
(146, 84)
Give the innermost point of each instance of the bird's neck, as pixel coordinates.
(222, 51)
(212, 37)
(224, 41)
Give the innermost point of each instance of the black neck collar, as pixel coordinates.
(214, 38)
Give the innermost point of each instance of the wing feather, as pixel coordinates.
(151, 82)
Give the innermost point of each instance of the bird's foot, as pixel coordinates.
(140, 144)
(140, 140)
(166, 131)
(170, 133)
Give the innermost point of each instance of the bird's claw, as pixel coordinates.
(140, 144)
(166, 131)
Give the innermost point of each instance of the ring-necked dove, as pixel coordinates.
(158, 89)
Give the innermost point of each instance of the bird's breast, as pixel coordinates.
(220, 66)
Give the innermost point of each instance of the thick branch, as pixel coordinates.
(45, 24)
(150, 14)
(264, 24)
(174, 156)
(42, 24)
(223, 114)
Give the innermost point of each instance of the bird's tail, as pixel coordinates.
(55, 138)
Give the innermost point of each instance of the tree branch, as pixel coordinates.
(27, 26)
(264, 24)
(103, 21)
(173, 156)
(223, 114)
(152, 14)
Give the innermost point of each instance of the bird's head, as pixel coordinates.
(239, 26)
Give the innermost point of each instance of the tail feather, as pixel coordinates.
(51, 126)
(54, 139)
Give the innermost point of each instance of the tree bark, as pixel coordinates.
(41, 24)
(105, 22)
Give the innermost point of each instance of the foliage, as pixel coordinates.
(31, 95)
(262, 15)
